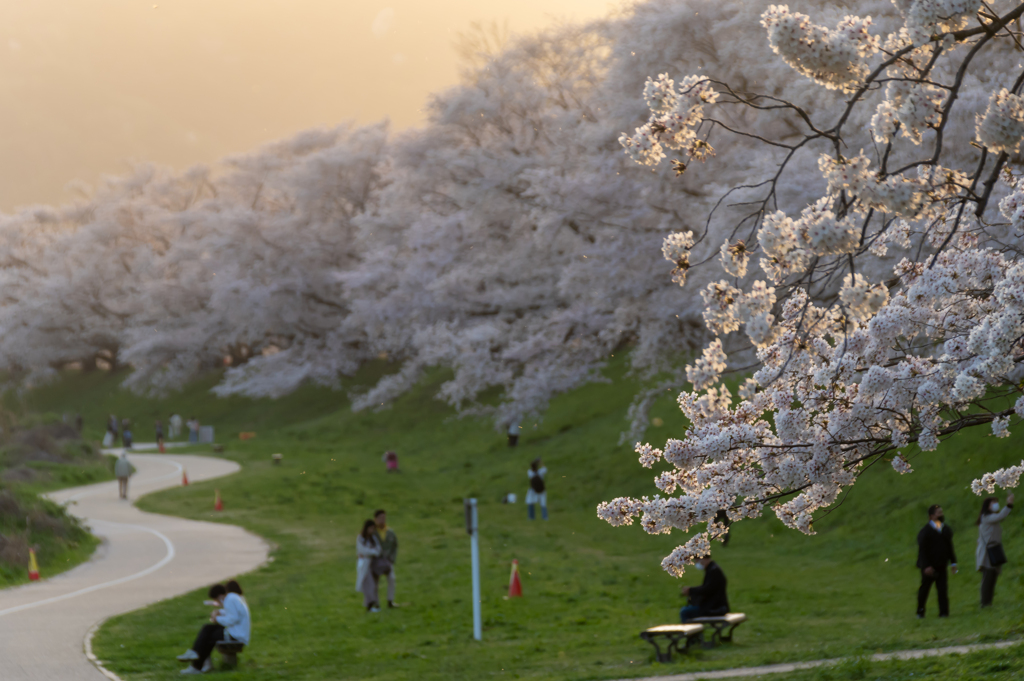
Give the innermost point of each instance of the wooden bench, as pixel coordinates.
(229, 651)
(729, 621)
(675, 634)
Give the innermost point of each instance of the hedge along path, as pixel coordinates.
(790, 667)
(143, 558)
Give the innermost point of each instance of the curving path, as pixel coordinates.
(144, 558)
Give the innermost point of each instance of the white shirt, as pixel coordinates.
(234, 617)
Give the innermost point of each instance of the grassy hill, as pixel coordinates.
(39, 453)
(589, 588)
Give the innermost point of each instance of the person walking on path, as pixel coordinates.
(230, 623)
(367, 550)
(537, 493)
(934, 552)
(122, 471)
(709, 599)
(513, 434)
(126, 435)
(388, 550)
(111, 437)
(989, 556)
(174, 425)
(193, 429)
(159, 428)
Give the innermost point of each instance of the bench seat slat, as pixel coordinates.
(676, 629)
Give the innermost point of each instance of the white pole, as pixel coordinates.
(475, 547)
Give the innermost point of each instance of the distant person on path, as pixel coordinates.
(193, 429)
(175, 425)
(230, 623)
(111, 437)
(388, 550)
(537, 493)
(126, 426)
(513, 434)
(934, 552)
(367, 549)
(159, 428)
(390, 460)
(122, 471)
(709, 599)
(126, 435)
(989, 556)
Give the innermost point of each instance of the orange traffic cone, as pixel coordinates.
(33, 566)
(515, 588)
(184, 477)
(218, 505)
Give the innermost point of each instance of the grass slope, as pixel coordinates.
(589, 588)
(33, 461)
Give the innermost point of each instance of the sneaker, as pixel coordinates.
(392, 604)
(375, 609)
(208, 665)
(188, 656)
(190, 670)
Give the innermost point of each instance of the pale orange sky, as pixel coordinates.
(86, 85)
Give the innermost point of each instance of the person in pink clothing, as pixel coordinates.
(390, 460)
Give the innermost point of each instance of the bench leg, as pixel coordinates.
(661, 656)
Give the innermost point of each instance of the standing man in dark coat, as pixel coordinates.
(708, 599)
(388, 550)
(934, 552)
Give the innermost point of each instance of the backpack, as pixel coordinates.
(537, 483)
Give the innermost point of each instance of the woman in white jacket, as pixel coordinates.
(990, 533)
(367, 548)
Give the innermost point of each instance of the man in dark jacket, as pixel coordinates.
(708, 599)
(934, 552)
(389, 550)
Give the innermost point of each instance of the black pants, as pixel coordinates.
(206, 641)
(512, 440)
(941, 579)
(988, 585)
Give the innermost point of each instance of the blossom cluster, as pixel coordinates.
(927, 17)
(833, 58)
(676, 114)
(1001, 128)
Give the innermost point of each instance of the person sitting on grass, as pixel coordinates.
(230, 623)
(709, 599)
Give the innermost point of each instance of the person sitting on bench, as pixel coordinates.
(708, 599)
(230, 623)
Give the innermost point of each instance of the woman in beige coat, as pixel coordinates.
(990, 533)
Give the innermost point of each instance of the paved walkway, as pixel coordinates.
(790, 667)
(144, 558)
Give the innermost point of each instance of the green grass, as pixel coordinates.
(1001, 665)
(589, 588)
(26, 520)
(60, 541)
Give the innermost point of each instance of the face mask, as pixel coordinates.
(994, 508)
(699, 566)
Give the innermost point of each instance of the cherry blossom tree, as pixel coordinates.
(882, 316)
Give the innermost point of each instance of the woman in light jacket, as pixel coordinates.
(990, 533)
(367, 548)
